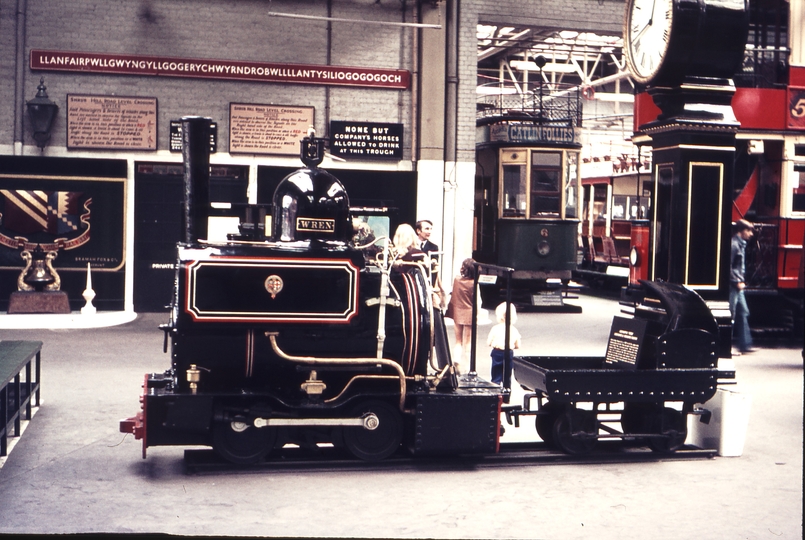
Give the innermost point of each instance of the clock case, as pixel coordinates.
(705, 49)
(707, 40)
(693, 145)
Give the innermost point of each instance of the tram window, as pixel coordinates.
(546, 170)
(798, 197)
(571, 185)
(514, 190)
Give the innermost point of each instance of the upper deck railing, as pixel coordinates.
(550, 105)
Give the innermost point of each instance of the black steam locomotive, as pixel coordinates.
(305, 337)
(315, 333)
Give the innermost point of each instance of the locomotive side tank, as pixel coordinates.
(305, 337)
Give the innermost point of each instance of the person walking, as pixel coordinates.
(743, 231)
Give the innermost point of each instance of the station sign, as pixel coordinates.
(366, 140)
(111, 122)
(268, 129)
(221, 69)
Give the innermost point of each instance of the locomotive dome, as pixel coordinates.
(311, 204)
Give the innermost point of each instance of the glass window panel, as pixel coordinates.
(571, 186)
(798, 186)
(546, 196)
(514, 191)
(547, 159)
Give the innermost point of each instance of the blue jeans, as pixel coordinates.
(740, 319)
(497, 365)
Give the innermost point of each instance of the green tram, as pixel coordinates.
(527, 198)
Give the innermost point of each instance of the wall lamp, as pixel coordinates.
(42, 111)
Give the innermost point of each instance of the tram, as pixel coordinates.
(527, 193)
(613, 206)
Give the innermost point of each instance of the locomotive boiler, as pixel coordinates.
(305, 335)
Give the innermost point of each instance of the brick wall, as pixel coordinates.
(220, 29)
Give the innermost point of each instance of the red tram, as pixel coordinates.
(613, 206)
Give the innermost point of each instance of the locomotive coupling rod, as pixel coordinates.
(313, 361)
(368, 421)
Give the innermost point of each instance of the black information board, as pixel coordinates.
(366, 140)
(625, 341)
(176, 136)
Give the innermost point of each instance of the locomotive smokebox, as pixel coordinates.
(196, 158)
(311, 204)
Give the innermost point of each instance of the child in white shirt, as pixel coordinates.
(497, 340)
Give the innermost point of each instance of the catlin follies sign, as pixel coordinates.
(132, 64)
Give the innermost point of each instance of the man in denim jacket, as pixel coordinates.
(738, 307)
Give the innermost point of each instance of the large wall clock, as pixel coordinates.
(668, 40)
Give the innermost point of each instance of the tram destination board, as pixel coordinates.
(366, 140)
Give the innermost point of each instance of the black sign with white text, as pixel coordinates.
(366, 140)
(176, 136)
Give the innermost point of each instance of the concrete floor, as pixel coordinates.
(73, 472)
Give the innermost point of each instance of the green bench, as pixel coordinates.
(17, 388)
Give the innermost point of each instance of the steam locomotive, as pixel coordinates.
(304, 336)
(315, 333)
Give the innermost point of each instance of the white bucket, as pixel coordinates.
(728, 423)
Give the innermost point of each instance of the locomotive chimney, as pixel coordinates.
(196, 158)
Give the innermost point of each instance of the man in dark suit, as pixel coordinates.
(424, 228)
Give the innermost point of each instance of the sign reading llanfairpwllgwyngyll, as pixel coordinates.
(268, 129)
(366, 140)
(135, 64)
(111, 122)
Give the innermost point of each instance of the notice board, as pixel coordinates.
(111, 122)
(268, 129)
(625, 342)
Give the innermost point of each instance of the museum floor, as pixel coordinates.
(73, 472)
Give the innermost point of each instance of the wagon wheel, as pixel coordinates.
(575, 431)
(380, 442)
(545, 422)
(672, 425)
(236, 440)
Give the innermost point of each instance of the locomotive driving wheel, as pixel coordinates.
(575, 431)
(238, 441)
(672, 426)
(380, 439)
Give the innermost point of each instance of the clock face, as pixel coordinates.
(647, 34)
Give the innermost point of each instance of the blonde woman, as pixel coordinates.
(405, 244)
